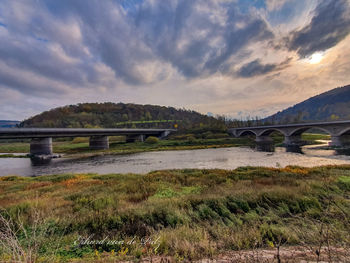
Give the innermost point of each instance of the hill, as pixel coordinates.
(120, 115)
(329, 106)
(8, 124)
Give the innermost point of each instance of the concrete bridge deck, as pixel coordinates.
(41, 143)
(338, 130)
(18, 133)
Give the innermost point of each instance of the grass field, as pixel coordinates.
(183, 214)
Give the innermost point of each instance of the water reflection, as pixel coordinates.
(270, 147)
(294, 149)
(319, 150)
(265, 146)
(222, 158)
(39, 161)
(342, 151)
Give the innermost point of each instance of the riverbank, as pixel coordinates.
(183, 214)
(79, 147)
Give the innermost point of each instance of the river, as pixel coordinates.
(222, 158)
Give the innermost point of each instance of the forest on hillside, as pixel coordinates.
(332, 105)
(120, 115)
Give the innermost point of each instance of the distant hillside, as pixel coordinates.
(120, 115)
(8, 124)
(329, 106)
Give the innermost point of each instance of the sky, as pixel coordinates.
(234, 57)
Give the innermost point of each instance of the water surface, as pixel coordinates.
(222, 158)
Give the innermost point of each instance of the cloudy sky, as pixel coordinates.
(232, 57)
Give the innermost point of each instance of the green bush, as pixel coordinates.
(344, 182)
(55, 178)
(166, 193)
(80, 140)
(152, 140)
(191, 139)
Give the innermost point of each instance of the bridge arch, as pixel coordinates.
(246, 133)
(300, 130)
(339, 132)
(342, 138)
(344, 132)
(268, 131)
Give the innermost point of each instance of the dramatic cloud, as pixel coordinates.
(222, 56)
(255, 68)
(141, 44)
(330, 25)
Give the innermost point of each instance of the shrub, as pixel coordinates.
(80, 140)
(56, 178)
(217, 136)
(152, 140)
(166, 193)
(191, 139)
(344, 182)
(207, 134)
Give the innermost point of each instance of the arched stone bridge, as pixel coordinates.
(338, 130)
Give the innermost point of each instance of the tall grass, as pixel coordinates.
(189, 214)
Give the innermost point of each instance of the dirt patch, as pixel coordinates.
(286, 254)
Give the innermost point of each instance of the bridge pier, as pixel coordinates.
(263, 139)
(134, 138)
(335, 141)
(293, 140)
(164, 134)
(340, 141)
(293, 143)
(99, 143)
(41, 146)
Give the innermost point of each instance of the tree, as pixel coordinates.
(148, 116)
(125, 117)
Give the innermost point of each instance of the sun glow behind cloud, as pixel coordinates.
(315, 58)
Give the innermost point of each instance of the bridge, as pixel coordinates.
(41, 138)
(338, 130)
